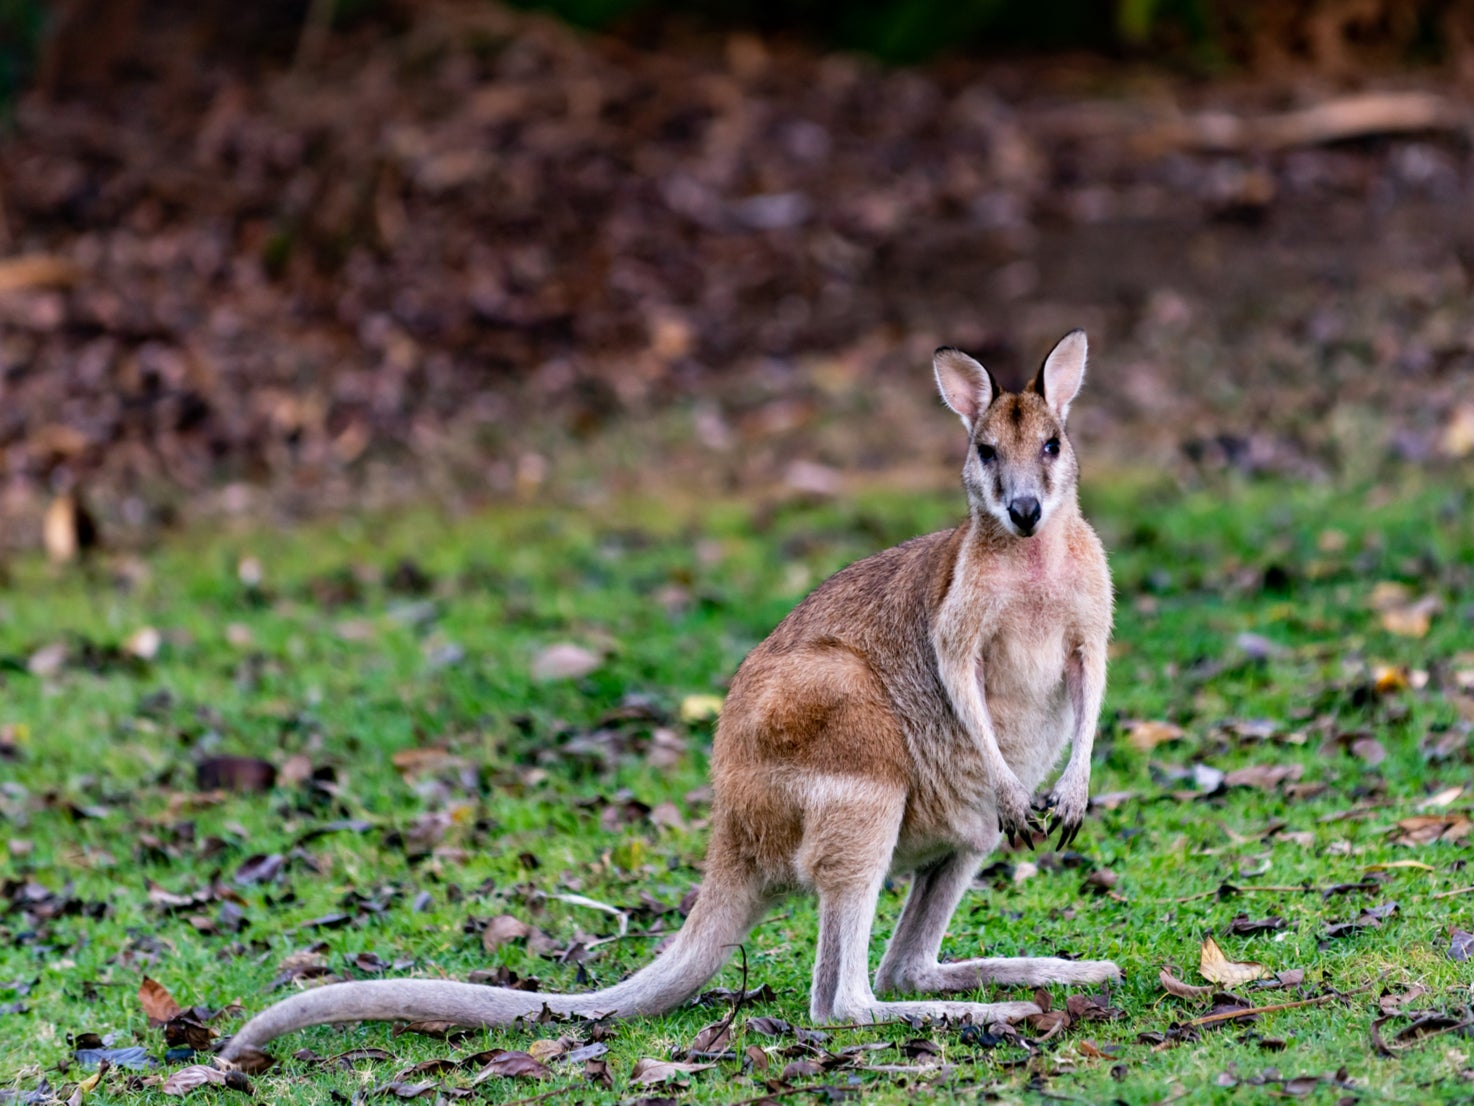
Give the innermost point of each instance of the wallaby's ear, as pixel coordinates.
(1062, 373)
(966, 386)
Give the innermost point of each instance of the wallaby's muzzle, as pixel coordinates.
(1024, 513)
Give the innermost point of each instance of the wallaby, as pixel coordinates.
(898, 720)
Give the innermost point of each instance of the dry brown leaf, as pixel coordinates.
(548, 1048)
(181, 1082)
(1411, 619)
(1266, 777)
(1145, 735)
(648, 1072)
(1443, 798)
(158, 1004)
(1174, 986)
(1388, 595)
(1424, 829)
(1217, 968)
(502, 929)
(513, 1064)
(423, 761)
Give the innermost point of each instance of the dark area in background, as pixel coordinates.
(444, 248)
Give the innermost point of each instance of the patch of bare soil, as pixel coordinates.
(446, 258)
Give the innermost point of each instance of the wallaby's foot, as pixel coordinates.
(979, 1013)
(969, 975)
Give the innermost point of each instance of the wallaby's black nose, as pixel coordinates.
(1025, 513)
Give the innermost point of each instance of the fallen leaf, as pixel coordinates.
(1413, 620)
(259, 868)
(49, 659)
(1461, 945)
(1424, 829)
(512, 1064)
(1369, 751)
(418, 761)
(564, 661)
(181, 1082)
(1145, 736)
(1388, 595)
(502, 929)
(234, 773)
(143, 643)
(548, 1048)
(700, 708)
(1394, 1004)
(800, 1069)
(712, 1038)
(1266, 777)
(1443, 798)
(769, 1026)
(158, 1004)
(1244, 926)
(597, 1071)
(400, 1089)
(648, 1072)
(1174, 986)
(1217, 968)
(134, 1057)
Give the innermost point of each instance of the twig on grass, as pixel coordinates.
(1451, 894)
(1234, 1015)
(1385, 1049)
(1227, 889)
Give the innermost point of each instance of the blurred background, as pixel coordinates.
(284, 259)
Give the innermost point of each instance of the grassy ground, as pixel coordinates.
(1237, 604)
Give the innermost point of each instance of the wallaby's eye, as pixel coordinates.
(986, 453)
(1051, 447)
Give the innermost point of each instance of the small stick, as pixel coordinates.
(1237, 891)
(1231, 1015)
(627, 937)
(1451, 894)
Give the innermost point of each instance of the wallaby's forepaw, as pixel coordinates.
(1066, 804)
(1016, 821)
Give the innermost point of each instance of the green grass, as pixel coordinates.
(338, 660)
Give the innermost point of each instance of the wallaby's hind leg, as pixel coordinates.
(846, 850)
(911, 965)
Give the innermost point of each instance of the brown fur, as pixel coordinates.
(898, 720)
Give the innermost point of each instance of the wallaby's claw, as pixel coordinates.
(1069, 830)
(1063, 817)
(1024, 832)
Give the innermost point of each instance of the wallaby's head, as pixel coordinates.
(1020, 464)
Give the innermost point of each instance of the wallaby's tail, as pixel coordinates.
(724, 911)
